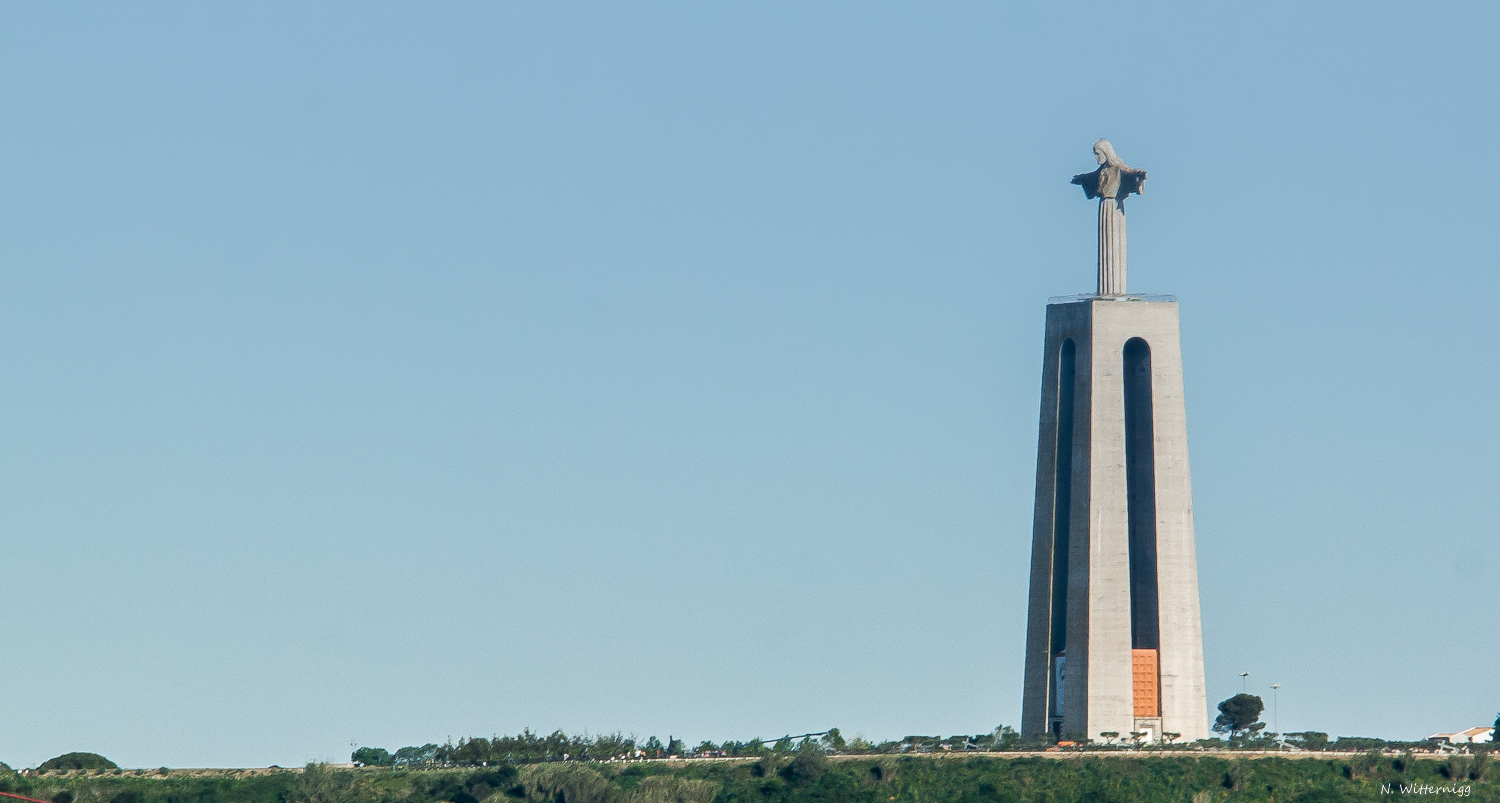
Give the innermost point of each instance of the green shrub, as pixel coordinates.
(568, 783)
(1360, 743)
(318, 783)
(667, 789)
(77, 761)
(807, 767)
(766, 766)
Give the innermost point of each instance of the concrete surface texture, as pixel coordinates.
(1114, 570)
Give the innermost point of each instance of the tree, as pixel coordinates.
(472, 751)
(833, 740)
(78, 761)
(415, 756)
(1239, 713)
(1110, 736)
(372, 757)
(1309, 740)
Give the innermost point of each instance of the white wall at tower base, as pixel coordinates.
(1099, 682)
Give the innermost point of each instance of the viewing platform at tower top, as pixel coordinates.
(1073, 299)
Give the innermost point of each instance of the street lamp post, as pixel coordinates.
(1244, 682)
(1276, 706)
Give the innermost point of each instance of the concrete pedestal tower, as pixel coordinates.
(1113, 641)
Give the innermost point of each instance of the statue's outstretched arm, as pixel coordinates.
(1089, 182)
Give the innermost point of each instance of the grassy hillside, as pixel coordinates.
(799, 778)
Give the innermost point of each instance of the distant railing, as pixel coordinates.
(1167, 297)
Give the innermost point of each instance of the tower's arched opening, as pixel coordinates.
(1140, 494)
(1062, 505)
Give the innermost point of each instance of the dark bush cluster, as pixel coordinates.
(77, 761)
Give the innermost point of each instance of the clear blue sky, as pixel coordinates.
(391, 372)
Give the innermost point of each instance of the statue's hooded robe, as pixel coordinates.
(1113, 179)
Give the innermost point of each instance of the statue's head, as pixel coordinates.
(1104, 153)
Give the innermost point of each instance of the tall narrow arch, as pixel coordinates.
(1062, 506)
(1140, 492)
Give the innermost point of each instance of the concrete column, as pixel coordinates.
(1101, 595)
(1111, 247)
(1066, 323)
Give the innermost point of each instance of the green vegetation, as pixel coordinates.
(806, 775)
(78, 761)
(528, 748)
(1239, 713)
(1308, 740)
(373, 757)
(812, 768)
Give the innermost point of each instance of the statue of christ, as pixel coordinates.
(1111, 183)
